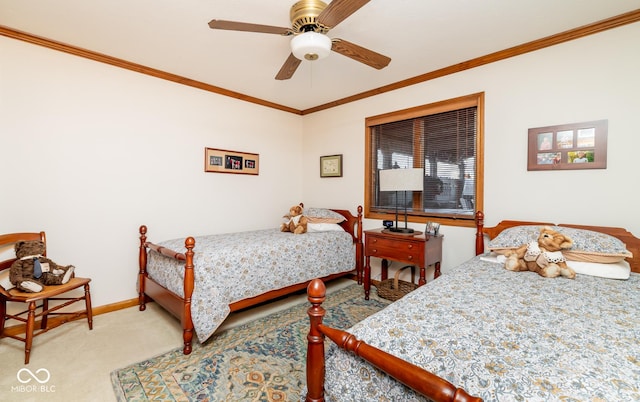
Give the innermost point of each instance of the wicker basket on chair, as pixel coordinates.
(394, 289)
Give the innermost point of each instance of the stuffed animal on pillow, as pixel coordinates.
(543, 256)
(32, 271)
(297, 222)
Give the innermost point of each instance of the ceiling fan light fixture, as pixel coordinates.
(310, 46)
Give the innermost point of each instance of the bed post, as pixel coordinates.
(187, 324)
(360, 249)
(316, 292)
(479, 233)
(142, 264)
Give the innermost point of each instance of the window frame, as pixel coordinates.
(472, 100)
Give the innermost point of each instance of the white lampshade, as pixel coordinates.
(402, 179)
(310, 46)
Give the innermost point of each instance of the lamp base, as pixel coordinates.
(401, 230)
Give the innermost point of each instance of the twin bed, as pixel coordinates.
(218, 274)
(480, 332)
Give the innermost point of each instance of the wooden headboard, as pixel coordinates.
(632, 242)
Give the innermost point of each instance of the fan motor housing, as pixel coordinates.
(304, 16)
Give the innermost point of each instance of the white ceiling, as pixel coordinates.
(419, 35)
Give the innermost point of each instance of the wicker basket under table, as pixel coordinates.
(394, 289)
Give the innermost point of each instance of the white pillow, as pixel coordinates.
(323, 227)
(614, 270)
(4, 280)
(493, 257)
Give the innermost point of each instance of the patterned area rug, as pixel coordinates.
(263, 360)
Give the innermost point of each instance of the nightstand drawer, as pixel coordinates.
(405, 251)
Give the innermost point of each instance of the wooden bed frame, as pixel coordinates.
(150, 290)
(422, 381)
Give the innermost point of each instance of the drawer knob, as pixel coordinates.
(410, 245)
(411, 257)
(375, 251)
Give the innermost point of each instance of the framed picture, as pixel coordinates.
(331, 166)
(568, 146)
(432, 228)
(223, 161)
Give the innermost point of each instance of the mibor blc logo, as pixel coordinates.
(33, 382)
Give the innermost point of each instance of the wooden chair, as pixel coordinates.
(39, 300)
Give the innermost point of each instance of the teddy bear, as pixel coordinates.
(297, 222)
(543, 256)
(31, 271)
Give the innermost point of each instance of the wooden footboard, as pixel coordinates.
(180, 307)
(422, 381)
(149, 289)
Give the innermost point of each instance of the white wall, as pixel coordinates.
(89, 152)
(588, 79)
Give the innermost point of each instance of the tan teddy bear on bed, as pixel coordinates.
(297, 222)
(543, 256)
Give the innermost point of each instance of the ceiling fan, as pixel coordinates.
(310, 22)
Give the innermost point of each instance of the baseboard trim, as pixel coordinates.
(107, 308)
(54, 321)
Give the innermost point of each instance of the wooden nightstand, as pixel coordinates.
(413, 250)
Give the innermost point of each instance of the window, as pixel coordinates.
(445, 139)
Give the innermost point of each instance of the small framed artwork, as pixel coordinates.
(432, 228)
(331, 166)
(568, 146)
(224, 161)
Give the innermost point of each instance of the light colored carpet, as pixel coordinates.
(80, 361)
(263, 360)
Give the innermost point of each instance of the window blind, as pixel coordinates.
(444, 145)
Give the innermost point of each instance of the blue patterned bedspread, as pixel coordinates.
(504, 336)
(235, 266)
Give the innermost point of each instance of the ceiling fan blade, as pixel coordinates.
(247, 27)
(358, 53)
(288, 68)
(338, 10)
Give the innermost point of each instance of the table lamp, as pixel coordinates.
(402, 180)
